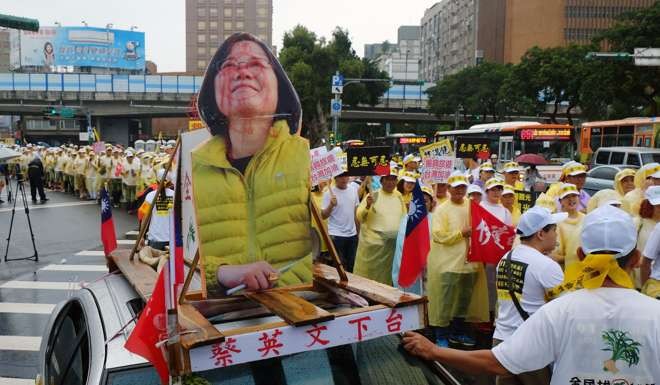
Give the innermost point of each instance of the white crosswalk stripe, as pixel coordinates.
(16, 381)
(20, 343)
(26, 308)
(40, 285)
(125, 241)
(100, 268)
(91, 253)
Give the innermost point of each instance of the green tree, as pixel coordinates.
(635, 85)
(310, 63)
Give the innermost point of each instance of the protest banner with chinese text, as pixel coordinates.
(471, 147)
(325, 165)
(436, 169)
(526, 199)
(439, 148)
(368, 161)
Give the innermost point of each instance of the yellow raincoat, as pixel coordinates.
(379, 227)
(568, 238)
(633, 200)
(455, 288)
(608, 194)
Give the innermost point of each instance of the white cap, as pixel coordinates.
(408, 177)
(536, 218)
(456, 179)
(574, 168)
(656, 175)
(129, 153)
(508, 189)
(608, 228)
(409, 158)
(473, 188)
(567, 189)
(653, 195)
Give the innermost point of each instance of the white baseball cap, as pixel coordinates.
(457, 178)
(608, 228)
(653, 195)
(473, 188)
(129, 153)
(536, 218)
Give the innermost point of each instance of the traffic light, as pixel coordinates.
(16, 22)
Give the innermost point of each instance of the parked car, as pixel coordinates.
(600, 178)
(626, 157)
(83, 343)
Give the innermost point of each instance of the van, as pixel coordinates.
(628, 157)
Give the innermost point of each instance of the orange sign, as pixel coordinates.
(545, 134)
(412, 140)
(195, 124)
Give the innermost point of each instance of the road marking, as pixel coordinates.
(125, 241)
(92, 253)
(49, 206)
(102, 268)
(40, 285)
(16, 381)
(31, 308)
(20, 343)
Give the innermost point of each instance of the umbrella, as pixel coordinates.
(8, 153)
(535, 159)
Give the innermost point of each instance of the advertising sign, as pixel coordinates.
(368, 161)
(78, 46)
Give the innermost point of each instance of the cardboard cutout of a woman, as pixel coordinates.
(251, 179)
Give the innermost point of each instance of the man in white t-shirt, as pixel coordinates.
(339, 204)
(606, 333)
(527, 274)
(159, 226)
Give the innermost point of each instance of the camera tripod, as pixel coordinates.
(20, 188)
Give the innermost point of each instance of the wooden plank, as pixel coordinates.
(372, 290)
(141, 276)
(325, 236)
(293, 309)
(195, 329)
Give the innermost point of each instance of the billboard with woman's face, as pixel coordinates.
(251, 179)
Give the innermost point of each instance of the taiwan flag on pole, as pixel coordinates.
(108, 236)
(490, 238)
(417, 243)
(151, 329)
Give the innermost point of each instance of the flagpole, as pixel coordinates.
(469, 239)
(161, 190)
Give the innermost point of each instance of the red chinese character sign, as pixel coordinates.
(436, 169)
(251, 177)
(325, 164)
(490, 238)
(287, 340)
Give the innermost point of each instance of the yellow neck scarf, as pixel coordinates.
(590, 274)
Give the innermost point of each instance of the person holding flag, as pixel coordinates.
(413, 242)
(455, 290)
(523, 277)
(108, 236)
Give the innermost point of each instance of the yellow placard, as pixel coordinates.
(439, 148)
(195, 124)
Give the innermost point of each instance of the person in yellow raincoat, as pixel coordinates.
(406, 185)
(441, 194)
(647, 175)
(568, 231)
(147, 172)
(379, 215)
(510, 202)
(511, 172)
(456, 290)
(624, 182)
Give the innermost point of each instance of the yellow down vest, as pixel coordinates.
(261, 215)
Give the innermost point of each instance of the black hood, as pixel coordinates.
(288, 103)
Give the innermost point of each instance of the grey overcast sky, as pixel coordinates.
(163, 21)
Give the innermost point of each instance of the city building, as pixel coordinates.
(459, 33)
(400, 60)
(210, 22)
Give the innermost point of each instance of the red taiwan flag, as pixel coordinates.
(108, 236)
(490, 238)
(151, 328)
(417, 243)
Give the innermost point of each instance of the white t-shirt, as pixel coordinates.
(159, 227)
(341, 222)
(532, 272)
(499, 211)
(576, 332)
(651, 251)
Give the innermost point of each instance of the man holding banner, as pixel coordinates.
(339, 204)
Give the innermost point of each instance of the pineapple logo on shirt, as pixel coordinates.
(623, 348)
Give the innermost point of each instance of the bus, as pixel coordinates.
(403, 143)
(555, 142)
(636, 132)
